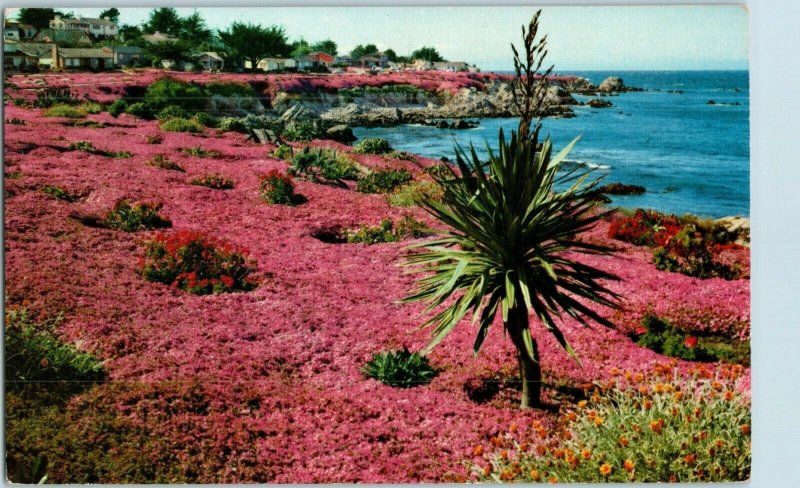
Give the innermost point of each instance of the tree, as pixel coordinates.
(37, 17)
(391, 55)
(327, 46)
(360, 51)
(176, 51)
(300, 48)
(510, 228)
(129, 33)
(428, 54)
(253, 42)
(194, 29)
(165, 20)
(111, 13)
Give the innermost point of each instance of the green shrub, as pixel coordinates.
(373, 146)
(302, 131)
(412, 193)
(153, 139)
(92, 124)
(34, 354)
(230, 89)
(284, 151)
(383, 181)
(386, 231)
(665, 429)
(161, 161)
(207, 119)
(85, 146)
(232, 124)
(278, 188)
(68, 111)
(61, 194)
(181, 125)
(687, 252)
(52, 96)
(141, 110)
(404, 156)
(199, 152)
(169, 91)
(172, 112)
(439, 171)
(661, 336)
(402, 369)
(117, 107)
(323, 165)
(91, 107)
(134, 217)
(215, 181)
(197, 263)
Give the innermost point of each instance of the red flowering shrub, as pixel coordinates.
(277, 187)
(197, 263)
(645, 228)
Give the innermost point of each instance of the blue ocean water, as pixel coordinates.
(691, 156)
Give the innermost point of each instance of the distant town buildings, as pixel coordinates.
(96, 27)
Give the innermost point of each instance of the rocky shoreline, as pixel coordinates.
(494, 100)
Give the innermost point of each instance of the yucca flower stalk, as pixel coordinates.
(507, 233)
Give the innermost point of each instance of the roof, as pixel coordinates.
(128, 50)
(63, 36)
(158, 37)
(84, 53)
(211, 55)
(86, 20)
(37, 49)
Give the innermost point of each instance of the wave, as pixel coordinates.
(586, 164)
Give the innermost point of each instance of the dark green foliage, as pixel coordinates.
(207, 119)
(278, 188)
(88, 147)
(232, 124)
(402, 369)
(373, 146)
(33, 354)
(176, 124)
(284, 152)
(61, 194)
(230, 89)
(135, 217)
(387, 231)
(253, 42)
(300, 131)
(688, 253)
(141, 110)
(322, 165)
(54, 96)
(169, 91)
(172, 111)
(161, 161)
(427, 54)
(383, 181)
(664, 338)
(199, 152)
(215, 181)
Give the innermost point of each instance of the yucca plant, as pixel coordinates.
(508, 231)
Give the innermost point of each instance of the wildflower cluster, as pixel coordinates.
(659, 427)
(215, 181)
(277, 188)
(197, 263)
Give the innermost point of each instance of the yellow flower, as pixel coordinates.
(586, 454)
(605, 469)
(582, 403)
(598, 421)
(534, 475)
(628, 465)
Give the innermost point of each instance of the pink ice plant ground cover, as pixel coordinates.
(278, 368)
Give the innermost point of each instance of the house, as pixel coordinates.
(315, 60)
(19, 32)
(96, 27)
(157, 37)
(65, 38)
(342, 61)
(450, 66)
(210, 61)
(377, 60)
(421, 65)
(127, 55)
(83, 58)
(19, 56)
(273, 64)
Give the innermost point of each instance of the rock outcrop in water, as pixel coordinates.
(615, 84)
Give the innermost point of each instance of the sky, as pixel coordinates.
(580, 38)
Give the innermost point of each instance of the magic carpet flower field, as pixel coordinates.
(250, 368)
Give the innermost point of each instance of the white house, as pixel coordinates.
(273, 64)
(97, 27)
(210, 61)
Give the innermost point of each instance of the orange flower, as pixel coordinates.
(553, 480)
(523, 447)
(657, 425)
(559, 453)
(44, 363)
(628, 465)
(658, 388)
(504, 455)
(690, 458)
(582, 403)
(512, 428)
(478, 450)
(598, 421)
(487, 470)
(678, 396)
(541, 450)
(745, 429)
(637, 429)
(644, 389)
(605, 469)
(729, 395)
(703, 435)
(534, 475)
(572, 417)
(648, 404)
(586, 454)
(638, 377)
(623, 441)
(716, 385)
